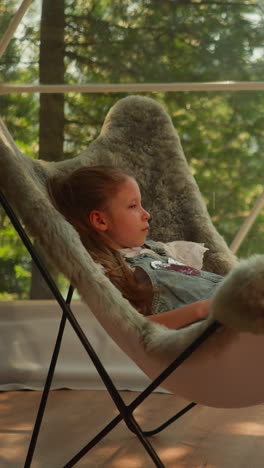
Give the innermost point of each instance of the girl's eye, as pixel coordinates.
(132, 206)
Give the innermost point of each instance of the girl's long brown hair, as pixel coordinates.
(75, 196)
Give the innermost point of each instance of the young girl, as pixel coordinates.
(103, 203)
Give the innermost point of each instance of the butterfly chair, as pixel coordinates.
(215, 362)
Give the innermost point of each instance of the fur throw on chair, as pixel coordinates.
(137, 134)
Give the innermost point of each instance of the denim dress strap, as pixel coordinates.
(174, 284)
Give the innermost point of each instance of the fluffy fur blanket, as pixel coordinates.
(137, 134)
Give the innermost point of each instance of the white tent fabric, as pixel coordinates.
(28, 333)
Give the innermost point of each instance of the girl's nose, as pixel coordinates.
(146, 215)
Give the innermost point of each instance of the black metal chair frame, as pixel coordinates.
(125, 411)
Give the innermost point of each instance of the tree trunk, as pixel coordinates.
(51, 114)
(51, 71)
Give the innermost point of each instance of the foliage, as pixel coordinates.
(223, 142)
(15, 265)
(152, 41)
(19, 64)
(20, 114)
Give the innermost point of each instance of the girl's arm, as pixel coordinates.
(178, 318)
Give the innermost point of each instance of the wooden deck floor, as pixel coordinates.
(205, 437)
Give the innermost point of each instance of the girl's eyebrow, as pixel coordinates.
(135, 199)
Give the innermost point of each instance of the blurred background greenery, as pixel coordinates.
(144, 41)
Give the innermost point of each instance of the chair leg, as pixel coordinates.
(99, 436)
(132, 425)
(169, 421)
(46, 390)
(136, 429)
(174, 418)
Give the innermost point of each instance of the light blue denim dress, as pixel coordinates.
(176, 284)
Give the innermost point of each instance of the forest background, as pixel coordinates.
(141, 41)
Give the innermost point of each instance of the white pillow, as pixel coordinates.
(189, 253)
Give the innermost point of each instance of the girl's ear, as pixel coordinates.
(98, 220)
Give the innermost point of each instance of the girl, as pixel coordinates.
(103, 203)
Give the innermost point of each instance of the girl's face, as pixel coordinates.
(124, 221)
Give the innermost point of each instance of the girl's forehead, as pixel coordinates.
(126, 192)
(129, 186)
